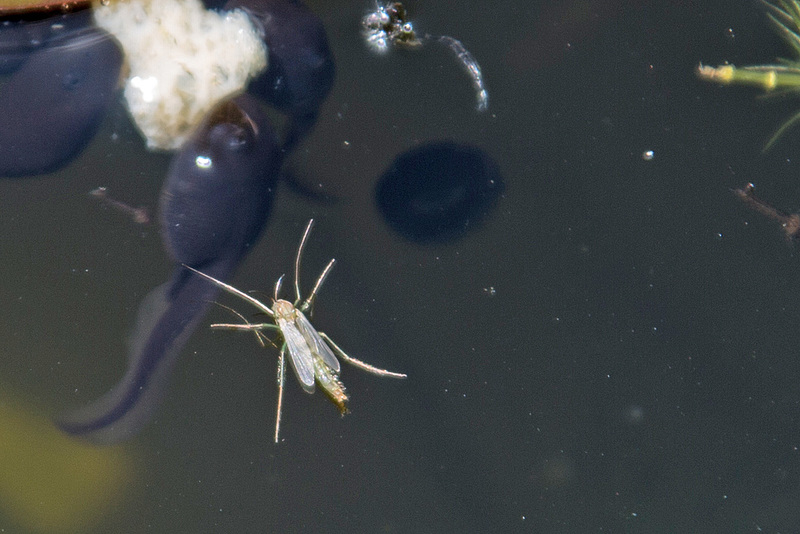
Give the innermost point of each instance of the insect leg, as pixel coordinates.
(281, 380)
(256, 328)
(358, 363)
(248, 326)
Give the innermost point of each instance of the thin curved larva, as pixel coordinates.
(471, 66)
(389, 25)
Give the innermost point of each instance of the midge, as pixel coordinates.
(311, 353)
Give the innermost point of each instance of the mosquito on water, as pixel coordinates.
(312, 354)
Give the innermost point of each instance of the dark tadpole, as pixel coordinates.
(438, 191)
(214, 205)
(301, 70)
(18, 40)
(20, 36)
(54, 102)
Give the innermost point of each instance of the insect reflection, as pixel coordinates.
(311, 353)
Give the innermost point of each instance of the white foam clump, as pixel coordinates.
(183, 59)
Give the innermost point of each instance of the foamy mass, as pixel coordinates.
(182, 59)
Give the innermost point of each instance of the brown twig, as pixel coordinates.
(139, 215)
(789, 223)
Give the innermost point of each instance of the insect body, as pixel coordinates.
(311, 353)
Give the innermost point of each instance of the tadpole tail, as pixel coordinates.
(167, 317)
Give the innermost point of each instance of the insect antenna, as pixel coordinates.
(232, 290)
(259, 292)
(278, 286)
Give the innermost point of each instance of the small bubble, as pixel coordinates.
(648, 155)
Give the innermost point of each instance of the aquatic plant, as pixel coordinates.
(780, 78)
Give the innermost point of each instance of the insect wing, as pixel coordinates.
(300, 355)
(315, 342)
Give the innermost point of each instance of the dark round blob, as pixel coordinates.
(53, 105)
(218, 191)
(438, 191)
(301, 69)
